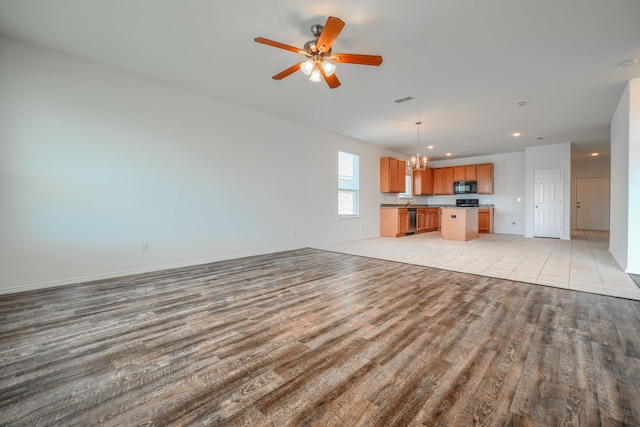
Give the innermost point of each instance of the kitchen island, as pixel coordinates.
(459, 223)
(397, 220)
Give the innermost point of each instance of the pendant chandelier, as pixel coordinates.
(417, 162)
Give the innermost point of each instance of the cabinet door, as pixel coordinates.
(417, 183)
(465, 173)
(423, 182)
(470, 173)
(401, 172)
(392, 175)
(403, 222)
(485, 178)
(438, 181)
(421, 220)
(448, 181)
(385, 174)
(430, 221)
(483, 220)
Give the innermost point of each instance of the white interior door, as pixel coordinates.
(547, 213)
(592, 203)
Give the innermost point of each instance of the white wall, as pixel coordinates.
(94, 161)
(549, 157)
(586, 166)
(619, 228)
(633, 263)
(624, 243)
(508, 187)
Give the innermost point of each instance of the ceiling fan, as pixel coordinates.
(320, 58)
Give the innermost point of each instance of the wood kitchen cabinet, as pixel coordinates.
(485, 178)
(427, 219)
(392, 175)
(485, 220)
(394, 222)
(423, 182)
(443, 180)
(465, 173)
(438, 181)
(421, 220)
(433, 219)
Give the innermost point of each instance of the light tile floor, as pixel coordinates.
(582, 263)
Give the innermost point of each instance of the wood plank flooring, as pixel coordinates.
(316, 338)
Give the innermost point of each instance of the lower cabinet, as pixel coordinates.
(421, 220)
(394, 222)
(485, 220)
(427, 219)
(433, 219)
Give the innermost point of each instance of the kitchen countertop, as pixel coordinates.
(420, 206)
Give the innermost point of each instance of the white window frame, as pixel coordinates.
(407, 188)
(349, 184)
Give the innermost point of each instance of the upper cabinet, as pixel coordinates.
(392, 175)
(465, 173)
(443, 180)
(485, 178)
(423, 182)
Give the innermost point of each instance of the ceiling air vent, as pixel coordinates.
(403, 99)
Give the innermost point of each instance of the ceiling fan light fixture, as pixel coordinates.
(328, 67)
(315, 75)
(318, 51)
(307, 67)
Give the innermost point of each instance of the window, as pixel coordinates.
(348, 184)
(407, 188)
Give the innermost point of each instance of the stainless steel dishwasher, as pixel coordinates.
(412, 221)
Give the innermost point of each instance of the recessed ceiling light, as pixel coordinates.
(594, 154)
(430, 147)
(448, 154)
(516, 134)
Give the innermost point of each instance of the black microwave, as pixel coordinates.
(464, 187)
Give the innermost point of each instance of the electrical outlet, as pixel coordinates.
(144, 246)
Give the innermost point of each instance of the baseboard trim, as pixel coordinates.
(123, 273)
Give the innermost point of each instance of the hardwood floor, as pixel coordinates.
(310, 337)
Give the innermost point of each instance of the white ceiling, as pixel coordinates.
(467, 63)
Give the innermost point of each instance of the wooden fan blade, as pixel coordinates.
(281, 75)
(278, 45)
(329, 34)
(331, 80)
(351, 58)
